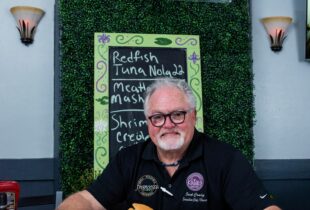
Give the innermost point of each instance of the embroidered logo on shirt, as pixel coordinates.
(147, 185)
(263, 196)
(195, 181)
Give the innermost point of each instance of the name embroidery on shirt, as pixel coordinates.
(194, 197)
(147, 186)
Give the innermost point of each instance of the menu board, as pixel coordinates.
(125, 65)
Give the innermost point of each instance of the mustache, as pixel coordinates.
(171, 131)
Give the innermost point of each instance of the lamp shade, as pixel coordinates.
(276, 28)
(27, 19)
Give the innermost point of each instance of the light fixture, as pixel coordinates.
(27, 19)
(276, 29)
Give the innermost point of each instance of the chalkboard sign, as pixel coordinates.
(125, 64)
(131, 70)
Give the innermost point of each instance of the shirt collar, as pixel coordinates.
(195, 149)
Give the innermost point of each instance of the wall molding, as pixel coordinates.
(36, 178)
(287, 180)
(276, 169)
(27, 169)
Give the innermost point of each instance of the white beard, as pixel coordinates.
(170, 143)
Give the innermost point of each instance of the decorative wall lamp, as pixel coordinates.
(27, 19)
(276, 29)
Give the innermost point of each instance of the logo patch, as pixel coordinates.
(263, 196)
(147, 185)
(195, 181)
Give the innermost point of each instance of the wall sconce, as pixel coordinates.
(27, 19)
(276, 29)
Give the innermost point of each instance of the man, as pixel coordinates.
(179, 168)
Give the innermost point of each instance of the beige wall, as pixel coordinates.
(26, 85)
(282, 87)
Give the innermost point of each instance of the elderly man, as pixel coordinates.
(179, 168)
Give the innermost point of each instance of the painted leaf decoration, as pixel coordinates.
(163, 41)
(103, 100)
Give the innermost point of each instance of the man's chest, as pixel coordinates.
(186, 189)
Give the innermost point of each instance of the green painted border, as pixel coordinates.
(102, 42)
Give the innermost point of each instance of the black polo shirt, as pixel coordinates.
(212, 175)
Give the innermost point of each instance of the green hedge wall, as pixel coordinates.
(224, 30)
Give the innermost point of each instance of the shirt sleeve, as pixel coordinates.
(243, 189)
(109, 187)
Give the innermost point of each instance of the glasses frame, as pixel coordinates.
(184, 112)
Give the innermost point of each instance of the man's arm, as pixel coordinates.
(272, 208)
(80, 201)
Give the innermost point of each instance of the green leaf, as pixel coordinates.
(103, 100)
(162, 41)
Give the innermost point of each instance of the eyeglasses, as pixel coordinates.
(176, 117)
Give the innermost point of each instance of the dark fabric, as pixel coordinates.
(212, 175)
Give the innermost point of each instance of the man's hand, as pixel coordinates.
(272, 208)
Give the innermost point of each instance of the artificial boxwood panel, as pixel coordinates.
(224, 30)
